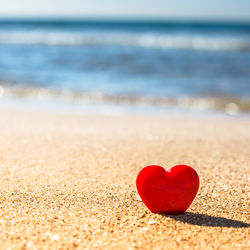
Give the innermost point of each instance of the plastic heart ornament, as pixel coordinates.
(170, 192)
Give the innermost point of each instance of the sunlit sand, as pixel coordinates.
(68, 180)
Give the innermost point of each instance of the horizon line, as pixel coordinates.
(122, 18)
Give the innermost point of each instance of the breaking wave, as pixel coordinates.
(227, 104)
(163, 41)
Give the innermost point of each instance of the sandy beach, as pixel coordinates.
(68, 181)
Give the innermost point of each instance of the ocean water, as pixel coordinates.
(167, 64)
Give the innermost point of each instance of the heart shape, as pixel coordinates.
(170, 192)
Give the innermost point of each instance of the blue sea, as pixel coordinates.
(193, 65)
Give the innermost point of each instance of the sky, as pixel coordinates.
(156, 9)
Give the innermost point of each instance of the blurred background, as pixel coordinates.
(135, 55)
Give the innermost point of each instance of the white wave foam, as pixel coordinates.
(230, 105)
(168, 41)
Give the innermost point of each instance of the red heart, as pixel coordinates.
(171, 191)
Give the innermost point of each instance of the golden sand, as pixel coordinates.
(68, 181)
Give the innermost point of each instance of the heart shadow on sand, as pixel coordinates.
(207, 220)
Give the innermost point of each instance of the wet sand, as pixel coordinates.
(68, 181)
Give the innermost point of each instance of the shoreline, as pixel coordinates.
(68, 180)
(68, 105)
